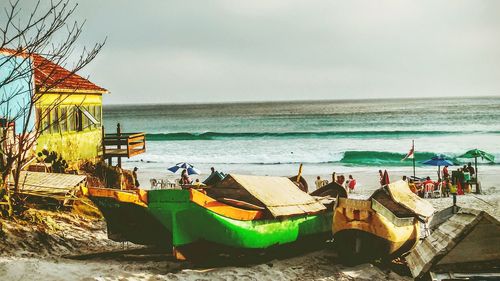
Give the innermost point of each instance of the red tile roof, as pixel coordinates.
(49, 75)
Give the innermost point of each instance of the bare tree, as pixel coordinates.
(25, 34)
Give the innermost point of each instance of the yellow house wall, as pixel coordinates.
(75, 147)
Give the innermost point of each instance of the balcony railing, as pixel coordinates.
(124, 145)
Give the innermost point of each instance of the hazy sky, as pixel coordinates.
(212, 51)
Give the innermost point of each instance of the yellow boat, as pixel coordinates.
(385, 226)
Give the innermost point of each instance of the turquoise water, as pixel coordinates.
(336, 133)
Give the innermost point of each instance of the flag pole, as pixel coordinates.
(413, 145)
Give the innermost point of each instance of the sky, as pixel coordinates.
(185, 51)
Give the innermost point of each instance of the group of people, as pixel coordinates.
(348, 184)
(458, 183)
(463, 178)
(186, 180)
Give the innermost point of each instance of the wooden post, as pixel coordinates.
(118, 134)
(103, 145)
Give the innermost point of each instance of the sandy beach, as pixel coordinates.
(30, 252)
(102, 102)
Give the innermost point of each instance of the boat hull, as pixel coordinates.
(128, 219)
(189, 222)
(363, 234)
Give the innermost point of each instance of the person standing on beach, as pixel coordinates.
(334, 177)
(185, 177)
(471, 171)
(134, 174)
(318, 182)
(351, 184)
(446, 174)
(341, 180)
(381, 177)
(212, 169)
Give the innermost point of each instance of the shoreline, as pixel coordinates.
(366, 177)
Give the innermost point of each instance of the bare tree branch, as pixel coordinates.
(24, 40)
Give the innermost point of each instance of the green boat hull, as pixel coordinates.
(191, 223)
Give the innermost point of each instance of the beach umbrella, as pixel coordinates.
(191, 170)
(476, 153)
(438, 160)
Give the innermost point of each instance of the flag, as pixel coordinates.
(410, 154)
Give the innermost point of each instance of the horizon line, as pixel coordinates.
(300, 100)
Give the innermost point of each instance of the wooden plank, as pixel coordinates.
(114, 142)
(481, 244)
(136, 145)
(136, 139)
(136, 152)
(454, 233)
(58, 186)
(111, 135)
(52, 180)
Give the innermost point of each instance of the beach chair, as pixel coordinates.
(428, 190)
(437, 192)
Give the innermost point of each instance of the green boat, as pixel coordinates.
(240, 213)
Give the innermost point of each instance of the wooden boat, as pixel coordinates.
(127, 216)
(384, 226)
(250, 215)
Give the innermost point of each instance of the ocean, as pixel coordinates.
(275, 137)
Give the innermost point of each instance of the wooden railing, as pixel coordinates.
(122, 145)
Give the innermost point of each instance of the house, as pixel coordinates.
(68, 109)
(463, 243)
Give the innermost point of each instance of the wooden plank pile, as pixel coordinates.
(61, 187)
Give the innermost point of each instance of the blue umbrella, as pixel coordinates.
(183, 165)
(438, 160)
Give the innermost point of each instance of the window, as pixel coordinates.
(72, 118)
(45, 117)
(78, 120)
(98, 114)
(92, 110)
(64, 119)
(54, 118)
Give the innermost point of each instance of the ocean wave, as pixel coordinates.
(347, 158)
(384, 158)
(181, 136)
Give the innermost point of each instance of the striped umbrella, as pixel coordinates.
(191, 170)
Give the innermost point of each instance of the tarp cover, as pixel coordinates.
(280, 195)
(401, 193)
